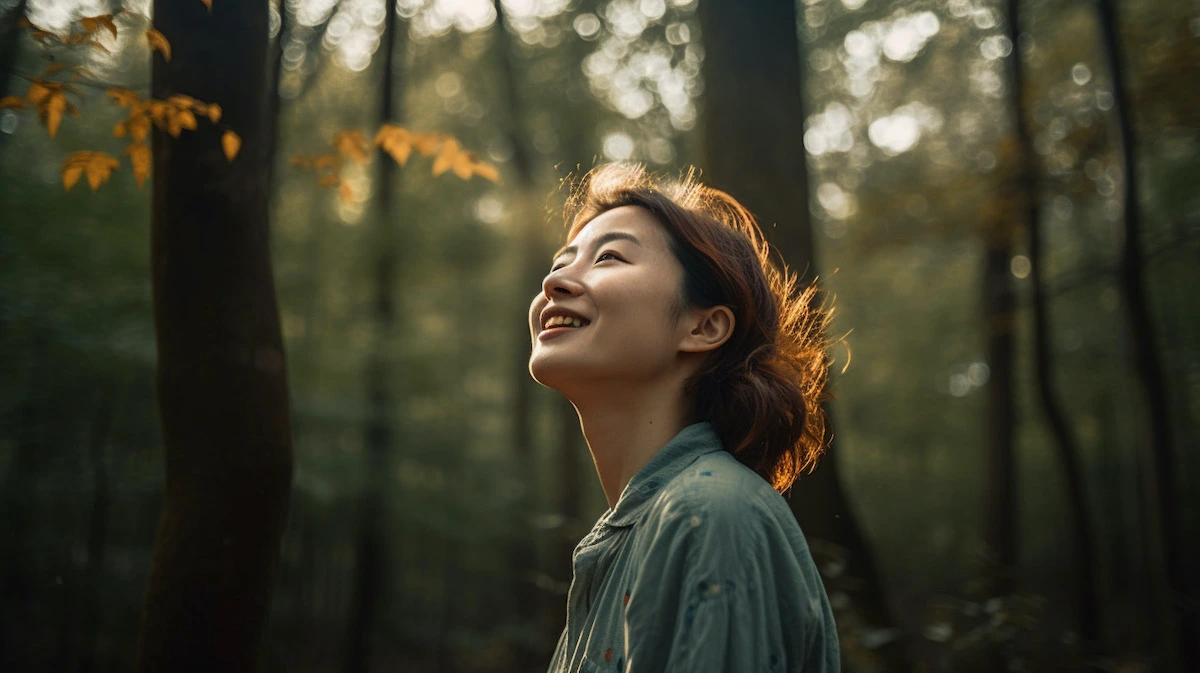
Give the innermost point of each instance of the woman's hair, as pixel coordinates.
(763, 389)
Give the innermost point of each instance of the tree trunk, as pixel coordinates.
(531, 257)
(1087, 607)
(10, 42)
(371, 571)
(1179, 622)
(222, 377)
(753, 127)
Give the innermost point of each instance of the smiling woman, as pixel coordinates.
(698, 369)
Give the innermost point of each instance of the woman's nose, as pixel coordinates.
(558, 283)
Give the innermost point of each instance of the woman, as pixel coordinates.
(697, 370)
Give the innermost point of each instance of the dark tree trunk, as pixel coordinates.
(1179, 627)
(10, 42)
(97, 537)
(532, 252)
(1087, 608)
(999, 489)
(371, 574)
(222, 378)
(753, 128)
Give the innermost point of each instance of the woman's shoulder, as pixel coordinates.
(725, 494)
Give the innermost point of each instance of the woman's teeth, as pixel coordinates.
(562, 321)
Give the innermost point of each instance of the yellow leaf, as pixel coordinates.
(139, 127)
(159, 43)
(329, 180)
(12, 102)
(123, 97)
(37, 92)
(326, 161)
(351, 144)
(120, 129)
(139, 158)
(395, 141)
(346, 192)
(98, 46)
(208, 4)
(93, 23)
(445, 158)
(487, 172)
(301, 161)
(187, 120)
(53, 68)
(231, 143)
(70, 175)
(214, 113)
(98, 168)
(426, 143)
(52, 110)
(462, 165)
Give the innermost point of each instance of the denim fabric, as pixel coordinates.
(699, 568)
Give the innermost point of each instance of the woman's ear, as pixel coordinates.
(708, 329)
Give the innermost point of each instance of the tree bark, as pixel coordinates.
(1179, 622)
(1087, 608)
(753, 126)
(222, 377)
(370, 578)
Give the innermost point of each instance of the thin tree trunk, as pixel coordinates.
(532, 250)
(370, 577)
(89, 631)
(222, 377)
(999, 493)
(1087, 608)
(754, 149)
(1179, 623)
(10, 42)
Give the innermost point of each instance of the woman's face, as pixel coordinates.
(606, 312)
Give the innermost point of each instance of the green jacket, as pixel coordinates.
(700, 568)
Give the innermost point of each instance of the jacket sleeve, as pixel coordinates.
(721, 591)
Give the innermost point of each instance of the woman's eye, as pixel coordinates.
(606, 255)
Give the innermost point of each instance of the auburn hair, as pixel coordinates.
(764, 388)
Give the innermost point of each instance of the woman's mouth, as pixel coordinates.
(561, 324)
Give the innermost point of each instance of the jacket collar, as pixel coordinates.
(692, 442)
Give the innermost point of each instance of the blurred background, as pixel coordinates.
(1013, 476)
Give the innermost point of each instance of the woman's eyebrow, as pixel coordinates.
(601, 240)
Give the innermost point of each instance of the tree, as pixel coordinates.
(378, 432)
(754, 149)
(222, 377)
(1027, 199)
(1179, 622)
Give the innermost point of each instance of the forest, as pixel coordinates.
(264, 274)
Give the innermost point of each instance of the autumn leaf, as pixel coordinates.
(329, 180)
(351, 144)
(139, 158)
(120, 129)
(426, 143)
(214, 112)
(53, 68)
(92, 23)
(186, 119)
(395, 141)
(445, 158)
(123, 97)
(346, 192)
(51, 111)
(301, 161)
(159, 43)
(139, 127)
(231, 143)
(326, 161)
(208, 4)
(38, 92)
(487, 172)
(15, 102)
(98, 166)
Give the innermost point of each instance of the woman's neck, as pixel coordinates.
(624, 431)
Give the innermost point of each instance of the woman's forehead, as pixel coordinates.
(630, 219)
